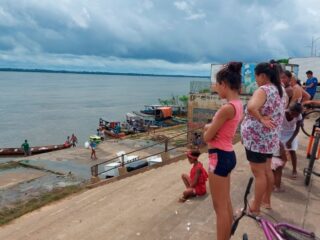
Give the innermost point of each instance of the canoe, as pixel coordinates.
(114, 135)
(34, 150)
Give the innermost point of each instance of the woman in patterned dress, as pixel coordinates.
(260, 131)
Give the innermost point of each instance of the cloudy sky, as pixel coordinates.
(153, 36)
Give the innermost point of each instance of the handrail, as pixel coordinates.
(94, 168)
(155, 154)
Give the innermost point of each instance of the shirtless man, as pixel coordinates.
(285, 78)
(299, 94)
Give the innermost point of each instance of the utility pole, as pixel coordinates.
(313, 46)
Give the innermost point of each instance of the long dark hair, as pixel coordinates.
(231, 75)
(272, 71)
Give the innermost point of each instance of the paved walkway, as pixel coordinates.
(145, 206)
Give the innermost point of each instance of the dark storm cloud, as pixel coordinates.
(176, 32)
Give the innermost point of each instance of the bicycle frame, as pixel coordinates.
(272, 230)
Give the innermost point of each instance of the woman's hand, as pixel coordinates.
(267, 122)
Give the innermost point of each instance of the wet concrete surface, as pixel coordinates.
(44, 172)
(22, 184)
(14, 176)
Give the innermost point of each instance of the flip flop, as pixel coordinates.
(278, 190)
(238, 213)
(266, 206)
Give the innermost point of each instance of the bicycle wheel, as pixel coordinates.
(307, 127)
(290, 234)
(313, 156)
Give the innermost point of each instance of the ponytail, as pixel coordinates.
(231, 75)
(272, 71)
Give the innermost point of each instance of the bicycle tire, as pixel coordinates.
(312, 159)
(306, 130)
(290, 234)
(245, 237)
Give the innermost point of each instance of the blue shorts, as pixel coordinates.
(221, 162)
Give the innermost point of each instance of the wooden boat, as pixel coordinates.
(34, 150)
(110, 129)
(114, 135)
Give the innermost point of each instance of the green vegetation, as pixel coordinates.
(284, 60)
(175, 100)
(21, 208)
(8, 165)
(205, 90)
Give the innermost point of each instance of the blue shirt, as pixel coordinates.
(312, 90)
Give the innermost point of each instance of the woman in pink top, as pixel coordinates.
(219, 135)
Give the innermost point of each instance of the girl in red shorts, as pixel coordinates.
(196, 181)
(219, 135)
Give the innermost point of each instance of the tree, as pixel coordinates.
(184, 100)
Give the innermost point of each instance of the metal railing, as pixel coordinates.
(95, 168)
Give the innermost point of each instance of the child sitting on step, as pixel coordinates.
(195, 182)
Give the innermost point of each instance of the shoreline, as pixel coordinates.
(98, 73)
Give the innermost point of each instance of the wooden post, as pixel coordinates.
(94, 171)
(166, 145)
(122, 170)
(122, 160)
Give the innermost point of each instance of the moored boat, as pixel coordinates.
(34, 150)
(113, 134)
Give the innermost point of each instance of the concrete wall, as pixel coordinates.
(202, 107)
(305, 64)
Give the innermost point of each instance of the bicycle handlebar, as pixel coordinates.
(243, 212)
(311, 106)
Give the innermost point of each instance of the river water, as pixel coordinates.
(47, 107)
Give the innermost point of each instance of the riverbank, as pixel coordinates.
(145, 206)
(32, 182)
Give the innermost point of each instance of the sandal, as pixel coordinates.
(238, 213)
(266, 206)
(278, 190)
(294, 175)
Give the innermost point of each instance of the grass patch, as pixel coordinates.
(8, 165)
(21, 208)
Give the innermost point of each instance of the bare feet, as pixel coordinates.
(182, 199)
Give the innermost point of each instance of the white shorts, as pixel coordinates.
(284, 139)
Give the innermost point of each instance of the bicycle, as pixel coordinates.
(272, 231)
(313, 146)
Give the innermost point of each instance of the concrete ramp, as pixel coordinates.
(145, 206)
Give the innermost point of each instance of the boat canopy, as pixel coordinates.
(164, 113)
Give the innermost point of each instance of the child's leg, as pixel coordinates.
(186, 180)
(293, 156)
(220, 192)
(277, 177)
(188, 193)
